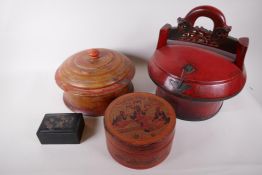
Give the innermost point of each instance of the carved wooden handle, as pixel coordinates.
(186, 29)
(207, 11)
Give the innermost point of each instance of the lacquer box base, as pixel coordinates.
(94, 105)
(139, 157)
(191, 110)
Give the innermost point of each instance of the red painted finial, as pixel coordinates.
(93, 53)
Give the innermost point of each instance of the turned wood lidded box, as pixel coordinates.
(196, 69)
(91, 79)
(139, 129)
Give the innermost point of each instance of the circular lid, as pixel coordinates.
(195, 73)
(195, 64)
(94, 69)
(140, 118)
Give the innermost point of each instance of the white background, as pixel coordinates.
(37, 36)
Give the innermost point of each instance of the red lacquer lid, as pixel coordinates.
(193, 62)
(140, 119)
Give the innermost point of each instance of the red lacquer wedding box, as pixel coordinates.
(91, 79)
(196, 69)
(139, 129)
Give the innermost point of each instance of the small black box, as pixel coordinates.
(61, 128)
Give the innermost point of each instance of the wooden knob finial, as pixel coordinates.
(93, 53)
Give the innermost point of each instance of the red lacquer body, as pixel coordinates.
(139, 129)
(196, 69)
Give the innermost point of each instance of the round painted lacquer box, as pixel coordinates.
(92, 78)
(139, 129)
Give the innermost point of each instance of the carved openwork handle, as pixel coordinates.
(220, 30)
(207, 11)
(187, 32)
